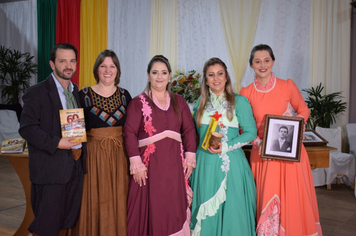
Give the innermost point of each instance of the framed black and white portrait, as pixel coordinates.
(282, 138)
(312, 138)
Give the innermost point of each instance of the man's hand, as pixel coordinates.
(65, 143)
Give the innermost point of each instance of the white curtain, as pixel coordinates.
(239, 16)
(18, 24)
(164, 30)
(200, 35)
(284, 25)
(330, 48)
(129, 32)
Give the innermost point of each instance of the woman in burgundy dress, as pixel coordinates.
(160, 141)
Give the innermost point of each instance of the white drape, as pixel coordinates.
(200, 35)
(18, 24)
(164, 30)
(129, 32)
(239, 16)
(284, 25)
(330, 48)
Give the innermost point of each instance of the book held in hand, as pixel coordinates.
(13, 145)
(73, 124)
(211, 128)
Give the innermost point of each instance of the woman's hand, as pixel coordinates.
(259, 146)
(259, 150)
(140, 177)
(257, 143)
(215, 150)
(188, 171)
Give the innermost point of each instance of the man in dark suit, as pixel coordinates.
(281, 144)
(56, 164)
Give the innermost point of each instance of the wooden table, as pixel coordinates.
(318, 155)
(20, 163)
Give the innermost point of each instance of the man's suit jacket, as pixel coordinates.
(286, 147)
(40, 126)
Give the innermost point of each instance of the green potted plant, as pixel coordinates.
(16, 70)
(324, 109)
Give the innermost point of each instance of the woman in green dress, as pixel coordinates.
(224, 192)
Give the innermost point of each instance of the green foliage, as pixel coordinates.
(16, 70)
(324, 109)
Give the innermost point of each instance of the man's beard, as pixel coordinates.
(62, 75)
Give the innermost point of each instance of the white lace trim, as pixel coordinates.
(225, 167)
(236, 146)
(223, 131)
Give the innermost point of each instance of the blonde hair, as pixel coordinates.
(204, 97)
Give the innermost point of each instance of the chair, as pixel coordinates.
(351, 135)
(318, 177)
(340, 164)
(9, 123)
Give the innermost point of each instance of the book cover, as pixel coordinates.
(12, 145)
(73, 124)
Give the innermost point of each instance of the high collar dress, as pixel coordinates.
(286, 199)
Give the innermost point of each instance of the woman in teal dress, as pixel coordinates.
(224, 192)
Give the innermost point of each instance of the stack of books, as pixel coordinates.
(13, 145)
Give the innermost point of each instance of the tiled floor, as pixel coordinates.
(337, 207)
(337, 210)
(12, 198)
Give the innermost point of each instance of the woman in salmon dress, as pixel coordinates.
(286, 199)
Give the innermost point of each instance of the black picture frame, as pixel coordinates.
(312, 138)
(289, 129)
